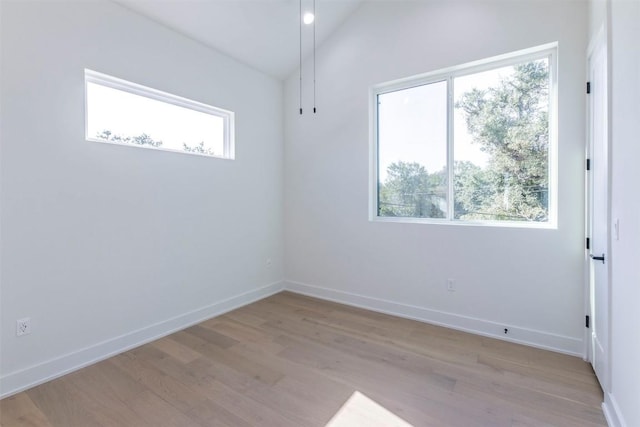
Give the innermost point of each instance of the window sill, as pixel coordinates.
(550, 225)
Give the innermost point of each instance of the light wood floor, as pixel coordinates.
(291, 360)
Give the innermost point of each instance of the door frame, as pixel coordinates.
(599, 41)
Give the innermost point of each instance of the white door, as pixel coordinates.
(598, 207)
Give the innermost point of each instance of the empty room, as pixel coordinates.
(319, 213)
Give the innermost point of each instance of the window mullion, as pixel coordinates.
(450, 159)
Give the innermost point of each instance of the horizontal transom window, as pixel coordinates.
(471, 144)
(121, 112)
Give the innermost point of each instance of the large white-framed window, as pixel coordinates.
(470, 144)
(121, 112)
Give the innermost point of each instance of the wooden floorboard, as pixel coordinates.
(291, 360)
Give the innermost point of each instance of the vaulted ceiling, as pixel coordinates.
(261, 33)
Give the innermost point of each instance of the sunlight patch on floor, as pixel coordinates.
(359, 410)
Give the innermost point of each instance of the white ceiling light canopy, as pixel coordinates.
(308, 18)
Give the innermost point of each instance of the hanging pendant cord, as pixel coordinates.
(300, 40)
(314, 56)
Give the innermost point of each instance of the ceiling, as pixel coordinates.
(261, 33)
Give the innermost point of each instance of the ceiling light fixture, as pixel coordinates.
(308, 18)
(314, 56)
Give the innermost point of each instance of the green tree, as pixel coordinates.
(472, 188)
(200, 149)
(142, 139)
(145, 139)
(510, 122)
(410, 191)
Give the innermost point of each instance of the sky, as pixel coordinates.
(413, 123)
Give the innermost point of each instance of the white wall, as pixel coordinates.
(105, 246)
(622, 18)
(529, 280)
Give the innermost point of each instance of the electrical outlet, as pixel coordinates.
(23, 326)
(451, 285)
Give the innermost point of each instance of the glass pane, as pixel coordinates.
(412, 152)
(119, 116)
(501, 144)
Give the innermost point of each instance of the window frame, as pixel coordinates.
(227, 116)
(549, 51)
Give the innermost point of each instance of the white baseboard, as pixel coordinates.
(530, 337)
(612, 412)
(18, 381)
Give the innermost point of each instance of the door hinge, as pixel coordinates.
(588, 164)
(586, 321)
(588, 87)
(588, 243)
